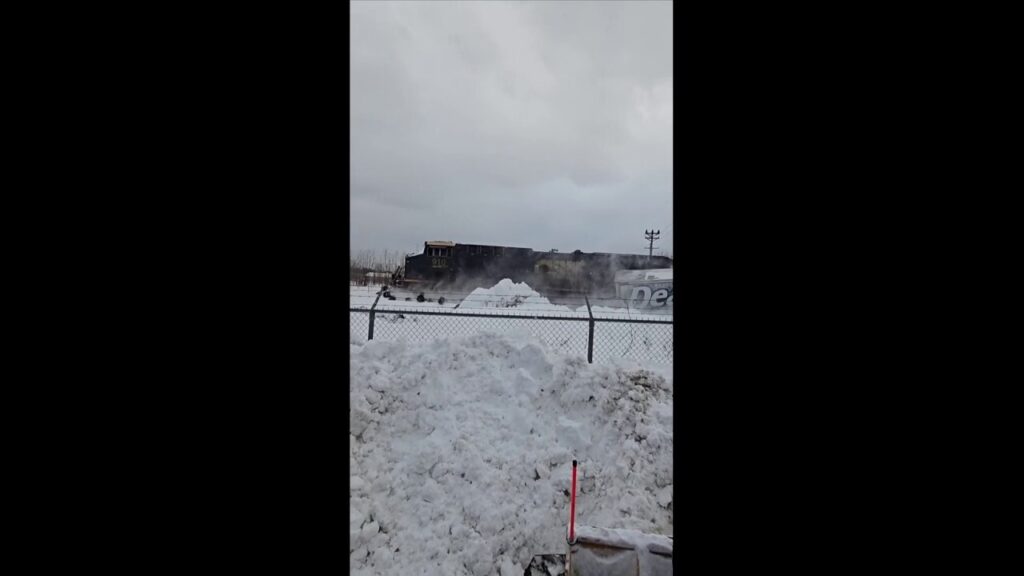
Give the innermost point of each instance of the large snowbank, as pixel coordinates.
(509, 294)
(460, 452)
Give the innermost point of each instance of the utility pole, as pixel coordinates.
(651, 235)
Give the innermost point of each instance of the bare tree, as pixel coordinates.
(373, 267)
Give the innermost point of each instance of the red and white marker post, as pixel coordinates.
(572, 522)
(572, 507)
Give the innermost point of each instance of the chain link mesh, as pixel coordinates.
(359, 324)
(645, 342)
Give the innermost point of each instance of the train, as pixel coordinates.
(445, 264)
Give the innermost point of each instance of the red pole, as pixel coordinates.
(572, 507)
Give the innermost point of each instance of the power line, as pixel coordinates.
(651, 235)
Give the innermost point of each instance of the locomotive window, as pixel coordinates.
(487, 251)
(473, 249)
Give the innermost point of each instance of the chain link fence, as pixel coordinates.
(642, 340)
(359, 323)
(596, 338)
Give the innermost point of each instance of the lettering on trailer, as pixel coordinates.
(651, 296)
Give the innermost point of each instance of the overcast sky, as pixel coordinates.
(534, 124)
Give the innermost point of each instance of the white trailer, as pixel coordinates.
(645, 288)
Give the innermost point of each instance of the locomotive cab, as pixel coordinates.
(433, 266)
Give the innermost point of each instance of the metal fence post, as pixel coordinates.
(373, 312)
(590, 338)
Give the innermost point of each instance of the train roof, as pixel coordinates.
(494, 246)
(557, 255)
(599, 254)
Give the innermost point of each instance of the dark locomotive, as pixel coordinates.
(446, 264)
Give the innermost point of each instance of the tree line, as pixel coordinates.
(365, 261)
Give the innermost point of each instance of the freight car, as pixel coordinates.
(445, 264)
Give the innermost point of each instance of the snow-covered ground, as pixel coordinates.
(460, 451)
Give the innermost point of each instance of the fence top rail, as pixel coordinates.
(632, 321)
(511, 315)
(516, 311)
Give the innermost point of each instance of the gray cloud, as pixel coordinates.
(535, 124)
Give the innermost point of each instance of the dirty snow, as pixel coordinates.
(364, 296)
(460, 452)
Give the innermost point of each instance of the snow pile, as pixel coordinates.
(460, 452)
(509, 294)
(604, 551)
